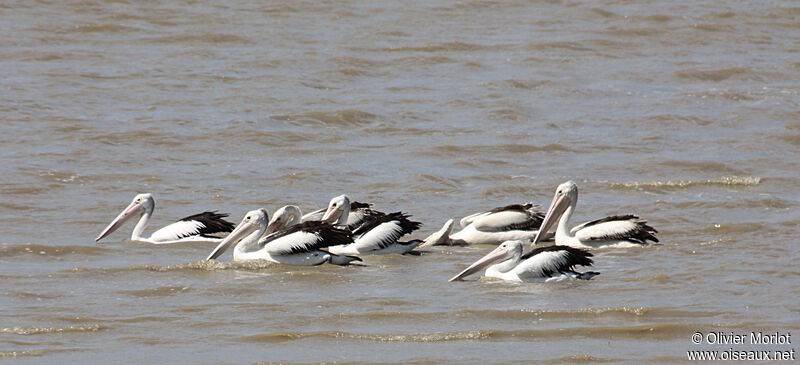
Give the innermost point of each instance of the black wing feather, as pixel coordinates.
(371, 222)
(534, 221)
(640, 234)
(327, 235)
(574, 257)
(213, 224)
(406, 226)
(362, 212)
(358, 205)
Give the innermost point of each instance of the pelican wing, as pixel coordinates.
(314, 216)
(304, 237)
(471, 218)
(381, 231)
(361, 213)
(545, 262)
(206, 224)
(618, 227)
(509, 218)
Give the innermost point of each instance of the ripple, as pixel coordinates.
(213, 38)
(161, 291)
(149, 137)
(702, 166)
(102, 28)
(682, 184)
(659, 331)
(27, 331)
(203, 265)
(502, 148)
(439, 47)
(343, 118)
(38, 249)
(715, 75)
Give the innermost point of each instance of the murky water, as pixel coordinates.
(686, 114)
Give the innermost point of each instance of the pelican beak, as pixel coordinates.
(272, 228)
(131, 211)
(332, 215)
(241, 231)
(497, 254)
(557, 207)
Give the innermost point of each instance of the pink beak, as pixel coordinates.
(558, 206)
(496, 255)
(241, 231)
(131, 211)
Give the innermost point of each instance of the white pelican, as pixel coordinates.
(491, 227)
(551, 263)
(300, 244)
(377, 235)
(207, 227)
(285, 217)
(359, 212)
(617, 230)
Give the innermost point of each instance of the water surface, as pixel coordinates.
(686, 114)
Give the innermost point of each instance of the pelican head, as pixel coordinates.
(506, 251)
(566, 196)
(283, 218)
(338, 209)
(253, 221)
(141, 204)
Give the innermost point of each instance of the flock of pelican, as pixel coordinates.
(346, 230)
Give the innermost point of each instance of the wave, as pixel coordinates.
(346, 118)
(440, 47)
(659, 331)
(203, 265)
(774, 203)
(212, 38)
(39, 249)
(488, 150)
(8, 354)
(711, 75)
(161, 291)
(102, 28)
(681, 184)
(636, 313)
(588, 313)
(27, 331)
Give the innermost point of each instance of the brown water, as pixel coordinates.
(684, 113)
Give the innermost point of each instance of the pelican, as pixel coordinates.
(207, 227)
(359, 212)
(300, 244)
(377, 235)
(552, 263)
(285, 217)
(618, 230)
(511, 222)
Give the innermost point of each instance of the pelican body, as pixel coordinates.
(492, 227)
(378, 234)
(552, 263)
(209, 227)
(300, 244)
(358, 214)
(617, 231)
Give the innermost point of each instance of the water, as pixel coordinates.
(686, 114)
